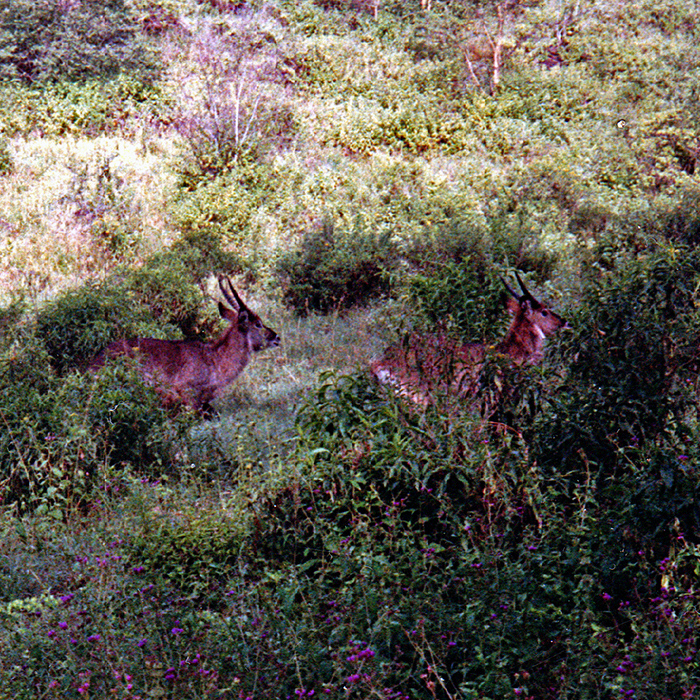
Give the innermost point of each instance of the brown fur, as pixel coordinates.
(425, 365)
(192, 372)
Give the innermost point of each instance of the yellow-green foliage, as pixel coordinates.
(85, 205)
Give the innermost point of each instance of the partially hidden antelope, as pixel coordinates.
(190, 371)
(422, 367)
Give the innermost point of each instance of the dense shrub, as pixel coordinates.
(92, 107)
(79, 323)
(625, 419)
(459, 275)
(62, 439)
(461, 298)
(171, 284)
(51, 41)
(226, 215)
(6, 163)
(195, 553)
(364, 128)
(635, 348)
(461, 569)
(337, 269)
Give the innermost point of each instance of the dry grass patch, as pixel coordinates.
(74, 208)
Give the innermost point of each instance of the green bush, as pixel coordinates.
(635, 346)
(337, 269)
(459, 568)
(624, 418)
(195, 553)
(226, 218)
(78, 324)
(92, 107)
(170, 283)
(6, 163)
(48, 41)
(461, 297)
(366, 128)
(458, 283)
(62, 439)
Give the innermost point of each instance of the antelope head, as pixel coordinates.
(248, 324)
(532, 323)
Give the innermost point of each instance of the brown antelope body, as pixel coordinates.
(192, 372)
(423, 366)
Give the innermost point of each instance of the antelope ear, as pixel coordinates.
(512, 305)
(243, 321)
(227, 313)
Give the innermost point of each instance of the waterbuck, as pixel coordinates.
(423, 366)
(192, 372)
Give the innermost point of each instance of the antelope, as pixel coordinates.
(425, 365)
(192, 372)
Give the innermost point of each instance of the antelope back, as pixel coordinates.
(421, 366)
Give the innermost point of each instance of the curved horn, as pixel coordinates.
(505, 284)
(526, 292)
(230, 294)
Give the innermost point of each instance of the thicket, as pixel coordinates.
(420, 554)
(68, 431)
(553, 557)
(93, 107)
(337, 269)
(50, 41)
(74, 67)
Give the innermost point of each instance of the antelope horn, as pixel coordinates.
(230, 294)
(505, 284)
(526, 292)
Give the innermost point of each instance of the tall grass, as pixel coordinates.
(75, 208)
